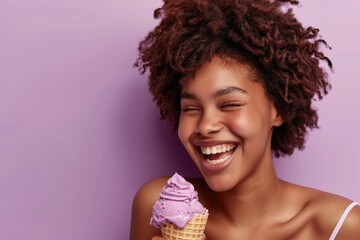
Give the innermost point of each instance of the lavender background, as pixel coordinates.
(79, 133)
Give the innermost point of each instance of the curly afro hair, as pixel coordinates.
(263, 34)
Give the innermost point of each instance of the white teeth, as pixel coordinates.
(219, 160)
(217, 149)
(207, 151)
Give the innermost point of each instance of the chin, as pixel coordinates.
(218, 183)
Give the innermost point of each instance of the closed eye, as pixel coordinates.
(231, 105)
(189, 109)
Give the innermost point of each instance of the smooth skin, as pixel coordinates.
(222, 104)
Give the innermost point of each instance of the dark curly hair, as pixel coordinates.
(261, 33)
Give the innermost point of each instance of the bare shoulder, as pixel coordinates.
(142, 209)
(326, 210)
(350, 214)
(351, 227)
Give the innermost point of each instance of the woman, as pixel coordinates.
(237, 79)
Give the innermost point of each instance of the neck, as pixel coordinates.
(249, 203)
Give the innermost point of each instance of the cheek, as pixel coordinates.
(240, 122)
(245, 124)
(181, 135)
(184, 130)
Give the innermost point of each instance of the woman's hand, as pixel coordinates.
(161, 238)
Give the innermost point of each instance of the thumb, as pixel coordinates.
(203, 236)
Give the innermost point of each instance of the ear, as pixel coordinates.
(278, 121)
(276, 118)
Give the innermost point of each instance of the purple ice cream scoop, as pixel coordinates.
(178, 203)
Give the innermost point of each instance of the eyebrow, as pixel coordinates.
(228, 90)
(218, 93)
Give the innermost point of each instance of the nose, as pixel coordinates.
(209, 123)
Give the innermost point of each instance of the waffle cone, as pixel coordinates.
(192, 231)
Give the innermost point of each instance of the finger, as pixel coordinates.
(157, 238)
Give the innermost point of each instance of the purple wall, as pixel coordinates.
(79, 133)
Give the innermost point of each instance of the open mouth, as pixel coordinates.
(219, 153)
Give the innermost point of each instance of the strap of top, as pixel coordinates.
(342, 220)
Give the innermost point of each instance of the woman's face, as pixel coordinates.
(226, 124)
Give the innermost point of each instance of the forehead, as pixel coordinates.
(220, 73)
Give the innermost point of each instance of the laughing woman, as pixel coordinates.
(237, 78)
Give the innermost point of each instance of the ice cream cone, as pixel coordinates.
(192, 231)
